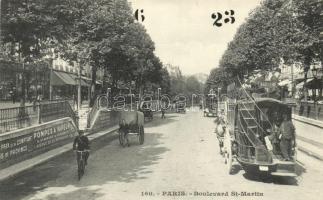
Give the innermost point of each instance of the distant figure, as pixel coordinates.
(287, 137)
(125, 129)
(75, 101)
(163, 113)
(34, 103)
(39, 99)
(13, 97)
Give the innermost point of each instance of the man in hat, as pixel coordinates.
(82, 143)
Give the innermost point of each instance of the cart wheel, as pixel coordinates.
(141, 135)
(122, 139)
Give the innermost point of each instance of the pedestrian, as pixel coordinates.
(34, 103)
(287, 137)
(13, 97)
(75, 101)
(39, 99)
(163, 113)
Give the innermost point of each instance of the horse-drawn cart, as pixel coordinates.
(146, 109)
(131, 123)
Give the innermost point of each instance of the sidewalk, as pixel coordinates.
(307, 120)
(29, 163)
(309, 134)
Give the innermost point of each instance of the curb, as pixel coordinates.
(310, 153)
(13, 170)
(311, 122)
(305, 120)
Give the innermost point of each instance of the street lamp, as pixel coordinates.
(108, 92)
(51, 66)
(315, 75)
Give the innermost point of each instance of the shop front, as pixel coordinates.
(64, 86)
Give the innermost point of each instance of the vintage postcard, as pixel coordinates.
(161, 99)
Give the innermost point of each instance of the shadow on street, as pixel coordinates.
(108, 162)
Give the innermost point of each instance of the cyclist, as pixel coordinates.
(82, 143)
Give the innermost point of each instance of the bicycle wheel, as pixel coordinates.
(141, 135)
(81, 169)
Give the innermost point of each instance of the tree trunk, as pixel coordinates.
(23, 85)
(23, 88)
(307, 63)
(93, 86)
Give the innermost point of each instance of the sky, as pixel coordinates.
(184, 33)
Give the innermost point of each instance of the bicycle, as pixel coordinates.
(81, 163)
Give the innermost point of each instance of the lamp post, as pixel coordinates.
(108, 93)
(79, 87)
(51, 66)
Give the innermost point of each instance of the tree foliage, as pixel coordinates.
(100, 34)
(274, 31)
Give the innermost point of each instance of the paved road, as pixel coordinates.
(180, 154)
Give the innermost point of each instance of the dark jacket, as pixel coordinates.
(82, 143)
(287, 130)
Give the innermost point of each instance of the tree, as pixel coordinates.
(275, 31)
(101, 34)
(29, 29)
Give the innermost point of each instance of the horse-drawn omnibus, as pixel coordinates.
(252, 137)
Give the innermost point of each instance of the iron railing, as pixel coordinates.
(21, 117)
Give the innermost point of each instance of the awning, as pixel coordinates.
(314, 83)
(83, 80)
(61, 78)
(301, 84)
(284, 82)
